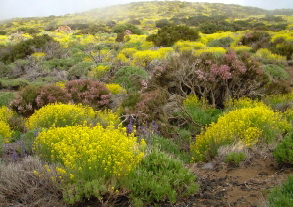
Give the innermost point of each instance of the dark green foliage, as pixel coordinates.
(59, 64)
(282, 196)
(134, 22)
(256, 40)
(284, 151)
(284, 48)
(24, 101)
(123, 27)
(223, 42)
(93, 29)
(167, 36)
(2, 32)
(130, 101)
(159, 179)
(163, 23)
(130, 77)
(29, 30)
(24, 49)
(120, 37)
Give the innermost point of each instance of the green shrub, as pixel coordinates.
(25, 48)
(6, 98)
(160, 178)
(284, 151)
(223, 42)
(123, 27)
(80, 69)
(24, 101)
(235, 158)
(276, 72)
(167, 36)
(282, 196)
(13, 84)
(130, 77)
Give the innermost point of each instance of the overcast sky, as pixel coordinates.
(31, 8)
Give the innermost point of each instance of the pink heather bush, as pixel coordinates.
(52, 94)
(88, 92)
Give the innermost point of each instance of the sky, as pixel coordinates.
(35, 8)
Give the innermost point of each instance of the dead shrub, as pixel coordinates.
(20, 186)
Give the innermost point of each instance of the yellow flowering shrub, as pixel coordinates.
(60, 115)
(60, 84)
(5, 131)
(188, 45)
(5, 114)
(115, 88)
(215, 50)
(242, 48)
(99, 71)
(249, 125)
(90, 152)
(243, 102)
(264, 53)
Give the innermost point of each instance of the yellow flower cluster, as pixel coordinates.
(90, 152)
(242, 48)
(264, 53)
(249, 125)
(193, 100)
(60, 115)
(243, 102)
(215, 50)
(60, 84)
(188, 45)
(99, 71)
(5, 114)
(115, 89)
(5, 131)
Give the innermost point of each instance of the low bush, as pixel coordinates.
(130, 77)
(60, 115)
(90, 155)
(282, 195)
(20, 186)
(115, 89)
(6, 98)
(158, 179)
(276, 72)
(24, 101)
(284, 150)
(52, 94)
(235, 158)
(249, 125)
(88, 92)
(199, 111)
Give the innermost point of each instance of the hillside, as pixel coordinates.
(147, 13)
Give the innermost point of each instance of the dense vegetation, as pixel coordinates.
(115, 107)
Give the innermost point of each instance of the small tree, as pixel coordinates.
(167, 36)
